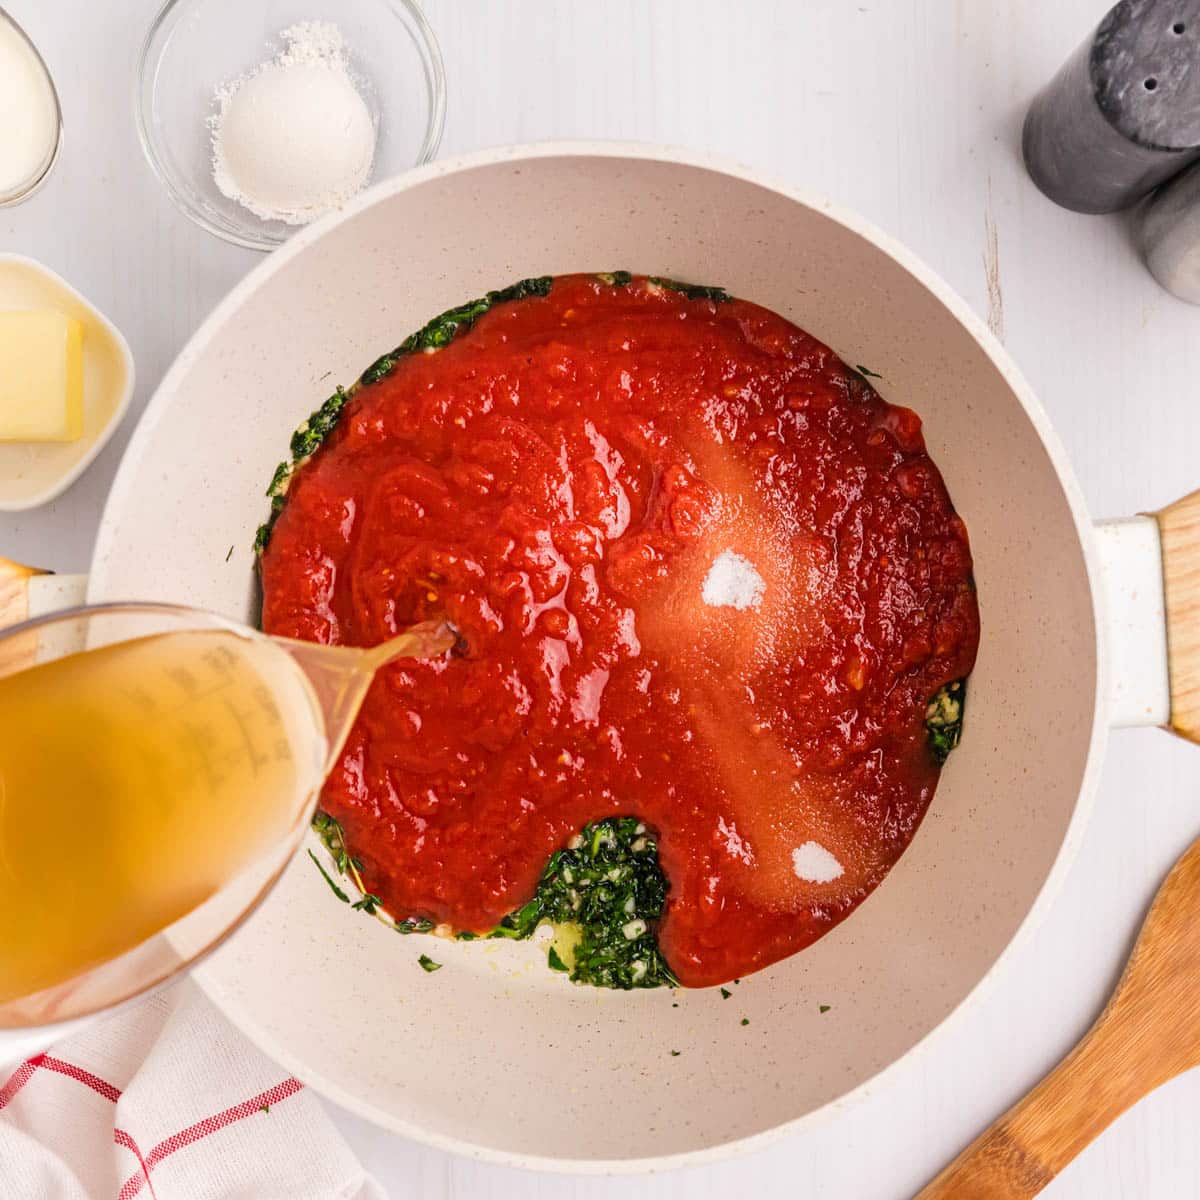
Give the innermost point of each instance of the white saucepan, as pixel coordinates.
(494, 1055)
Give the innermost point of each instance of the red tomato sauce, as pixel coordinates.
(559, 481)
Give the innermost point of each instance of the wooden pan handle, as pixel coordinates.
(1179, 525)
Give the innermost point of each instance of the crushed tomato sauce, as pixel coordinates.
(559, 480)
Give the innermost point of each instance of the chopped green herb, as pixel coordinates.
(609, 886)
(443, 329)
(311, 433)
(229, 555)
(693, 291)
(279, 480)
(674, 1053)
(330, 832)
(615, 278)
(332, 835)
(944, 719)
(277, 489)
(427, 964)
(867, 373)
(466, 936)
(737, 981)
(337, 891)
(745, 1020)
(413, 925)
(725, 993)
(824, 1008)
(264, 1108)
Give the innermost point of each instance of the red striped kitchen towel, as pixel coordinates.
(165, 1100)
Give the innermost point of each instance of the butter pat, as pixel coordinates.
(41, 377)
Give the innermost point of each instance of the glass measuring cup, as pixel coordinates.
(158, 768)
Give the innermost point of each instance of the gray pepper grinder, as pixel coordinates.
(1123, 113)
(1167, 228)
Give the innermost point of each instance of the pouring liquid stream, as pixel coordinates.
(139, 779)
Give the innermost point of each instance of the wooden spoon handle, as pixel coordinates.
(1028, 1146)
(19, 650)
(1146, 1035)
(30, 592)
(1179, 525)
(14, 591)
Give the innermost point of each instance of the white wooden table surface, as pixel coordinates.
(908, 111)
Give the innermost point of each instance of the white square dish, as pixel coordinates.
(34, 473)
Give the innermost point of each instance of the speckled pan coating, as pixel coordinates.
(484, 1056)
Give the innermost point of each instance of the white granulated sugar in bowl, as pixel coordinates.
(732, 582)
(294, 138)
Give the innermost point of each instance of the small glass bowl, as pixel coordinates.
(195, 47)
(26, 188)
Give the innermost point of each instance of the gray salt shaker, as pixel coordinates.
(1168, 234)
(1123, 113)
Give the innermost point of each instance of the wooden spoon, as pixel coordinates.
(16, 651)
(1149, 1033)
(14, 591)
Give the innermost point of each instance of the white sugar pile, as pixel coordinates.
(732, 582)
(294, 138)
(814, 864)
